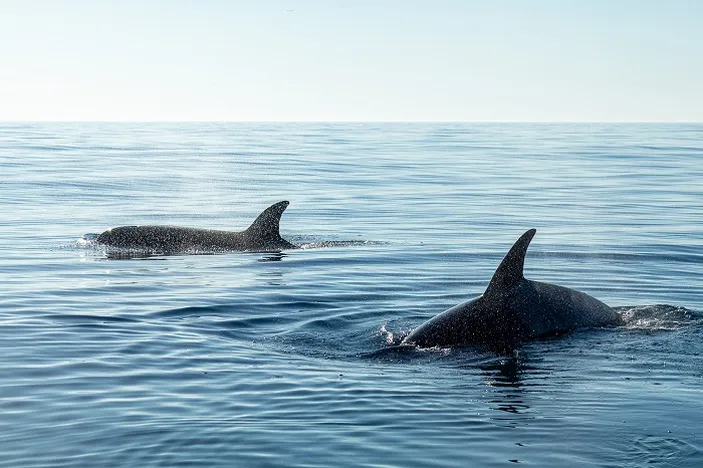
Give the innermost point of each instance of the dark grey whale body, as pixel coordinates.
(513, 310)
(262, 236)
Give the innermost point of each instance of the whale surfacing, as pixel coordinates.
(262, 236)
(513, 310)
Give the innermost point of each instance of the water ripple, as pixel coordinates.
(292, 359)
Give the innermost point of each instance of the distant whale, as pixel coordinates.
(513, 310)
(261, 236)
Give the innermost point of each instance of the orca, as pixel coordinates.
(262, 236)
(513, 310)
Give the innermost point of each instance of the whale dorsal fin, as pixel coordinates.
(509, 272)
(266, 225)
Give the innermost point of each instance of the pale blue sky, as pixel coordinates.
(531, 60)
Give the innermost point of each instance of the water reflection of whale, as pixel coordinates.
(272, 257)
(504, 375)
(503, 371)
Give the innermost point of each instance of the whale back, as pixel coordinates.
(510, 271)
(264, 231)
(548, 309)
(263, 234)
(539, 309)
(513, 309)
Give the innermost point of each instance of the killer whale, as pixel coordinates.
(262, 236)
(513, 310)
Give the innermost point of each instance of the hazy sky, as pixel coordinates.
(463, 60)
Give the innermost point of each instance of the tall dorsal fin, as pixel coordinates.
(266, 225)
(509, 272)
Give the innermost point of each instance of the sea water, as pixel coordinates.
(286, 358)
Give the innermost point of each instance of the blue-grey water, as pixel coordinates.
(265, 359)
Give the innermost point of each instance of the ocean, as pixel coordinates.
(286, 358)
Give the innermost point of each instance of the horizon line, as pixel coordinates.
(6, 121)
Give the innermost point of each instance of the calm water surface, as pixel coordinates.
(250, 359)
